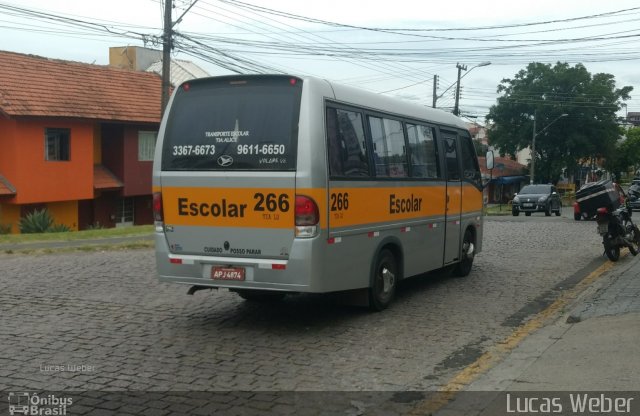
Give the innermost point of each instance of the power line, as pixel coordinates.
(329, 23)
(273, 39)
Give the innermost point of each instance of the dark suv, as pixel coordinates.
(537, 198)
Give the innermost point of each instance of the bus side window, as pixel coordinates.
(345, 134)
(424, 159)
(451, 157)
(470, 168)
(389, 149)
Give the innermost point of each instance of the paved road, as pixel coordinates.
(106, 316)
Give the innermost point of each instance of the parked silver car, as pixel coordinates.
(633, 195)
(537, 198)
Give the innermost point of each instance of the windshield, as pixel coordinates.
(233, 123)
(535, 189)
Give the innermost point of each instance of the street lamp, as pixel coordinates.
(533, 142)
(460, 67)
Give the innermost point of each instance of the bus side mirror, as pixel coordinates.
(489, 159)
(489, 164)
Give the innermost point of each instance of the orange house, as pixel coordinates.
(77, 139)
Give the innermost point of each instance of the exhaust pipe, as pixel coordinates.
(194, 289)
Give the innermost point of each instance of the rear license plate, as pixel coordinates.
(603, 228)
(227, 273)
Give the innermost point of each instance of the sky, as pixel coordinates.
(394, 48)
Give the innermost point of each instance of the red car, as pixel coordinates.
(577, 215)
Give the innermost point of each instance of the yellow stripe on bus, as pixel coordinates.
(275, 207)
(229, 207)
(357, 206)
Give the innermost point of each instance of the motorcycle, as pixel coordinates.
(617, 231)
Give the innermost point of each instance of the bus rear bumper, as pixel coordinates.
(190, 281)
(295, 274)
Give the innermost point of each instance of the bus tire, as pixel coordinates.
(384, 280)
(260, 295)
(467, 255)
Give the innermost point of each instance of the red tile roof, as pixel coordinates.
(104, 179)
(503, 167)
(5, 187)
(36, 86)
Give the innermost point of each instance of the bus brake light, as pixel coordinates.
(157, 207)
(307, 217)
(307, 212)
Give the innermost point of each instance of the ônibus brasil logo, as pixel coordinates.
(34, 404)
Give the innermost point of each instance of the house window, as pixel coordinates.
(146, 145)
(124, 212)
(56, 144)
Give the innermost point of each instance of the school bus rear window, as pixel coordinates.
(218, 125)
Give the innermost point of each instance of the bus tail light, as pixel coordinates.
(158, 215)
(307, 217)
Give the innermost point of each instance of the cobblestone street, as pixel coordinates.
(101, 322)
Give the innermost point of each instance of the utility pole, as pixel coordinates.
(533, 150)
(435, 87)
(167, 38)
(533, 141)
(461, 68)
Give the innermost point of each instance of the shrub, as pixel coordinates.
(58, 228)
(96, 226)
(39, 221)
(5, 229)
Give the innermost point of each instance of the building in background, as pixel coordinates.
(507, 176)
(144, 59)
(504, 180)
(77, 139)
(633, 118)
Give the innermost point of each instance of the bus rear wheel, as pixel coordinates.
(383, 281)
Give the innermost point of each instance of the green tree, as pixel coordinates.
(544, 92)
(627, 154)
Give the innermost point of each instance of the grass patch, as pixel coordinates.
(133, 245)
(503, 209)
(77, 235)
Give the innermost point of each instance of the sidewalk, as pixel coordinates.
(594, 347)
